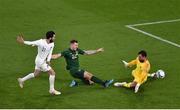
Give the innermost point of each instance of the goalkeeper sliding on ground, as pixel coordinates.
(140, 74)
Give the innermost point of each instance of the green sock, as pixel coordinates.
(97, 80)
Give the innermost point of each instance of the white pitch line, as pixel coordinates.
(153, 36)
(157, 22)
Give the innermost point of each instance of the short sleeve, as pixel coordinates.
(81, 51)
(63, 53)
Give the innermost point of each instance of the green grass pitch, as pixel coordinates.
(95, 23)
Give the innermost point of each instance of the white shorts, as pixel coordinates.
(43, 67)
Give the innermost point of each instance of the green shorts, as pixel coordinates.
(77, 73)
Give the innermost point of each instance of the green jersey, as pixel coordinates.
(72, 58)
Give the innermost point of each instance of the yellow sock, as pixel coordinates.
(128, 85)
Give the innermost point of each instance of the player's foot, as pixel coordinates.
(118, 84)
(108, 82)
(20, 82)
(154, 75)
(54, 92)
(73, 83)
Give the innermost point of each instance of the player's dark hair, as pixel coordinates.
(73, 41)
(143, 53)
(50, 34)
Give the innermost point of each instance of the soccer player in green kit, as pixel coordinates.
(71, 56)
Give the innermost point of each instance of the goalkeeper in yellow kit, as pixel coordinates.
(140, 73)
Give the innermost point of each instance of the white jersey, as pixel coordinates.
(44, 50)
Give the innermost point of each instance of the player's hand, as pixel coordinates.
(20, 39)
(125, 63)
(100, 50)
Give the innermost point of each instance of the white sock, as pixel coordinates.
(29, 76)
(151, 75)
(137, 88)
(51, 82)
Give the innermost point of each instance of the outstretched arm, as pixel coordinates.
(130, 64)
(91, 52)
(56, 56)
(21, 40)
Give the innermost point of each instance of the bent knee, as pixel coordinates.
(87, 75)
(133, 84)
(51, 72)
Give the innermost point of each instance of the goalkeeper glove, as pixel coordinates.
(125, 63)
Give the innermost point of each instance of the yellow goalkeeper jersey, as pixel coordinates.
(140, 73)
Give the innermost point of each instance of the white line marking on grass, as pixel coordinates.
(157, 22)
(151, 35)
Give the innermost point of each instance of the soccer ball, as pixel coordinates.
(160, 74)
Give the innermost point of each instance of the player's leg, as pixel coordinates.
(89, 76)
(119, 84)
(79, 73)
(27, 77)
(52, 73)
(125, 84)
(129, 85)
(46, 68)
(136, 84)
(133, 84)
(137, 87)
(85, 81)
(142, 79)
(88, 82)
(152, 75)
(85, 77)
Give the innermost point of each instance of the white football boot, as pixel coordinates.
(20, 82)
(54, 92)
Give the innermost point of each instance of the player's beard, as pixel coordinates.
(142, 61)
(51, 41)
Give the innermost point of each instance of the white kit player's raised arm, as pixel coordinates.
(33, 43)
(21, 40)
(44, 50)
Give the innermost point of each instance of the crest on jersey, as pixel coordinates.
(74, 56)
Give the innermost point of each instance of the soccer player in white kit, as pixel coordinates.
(42, 62)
